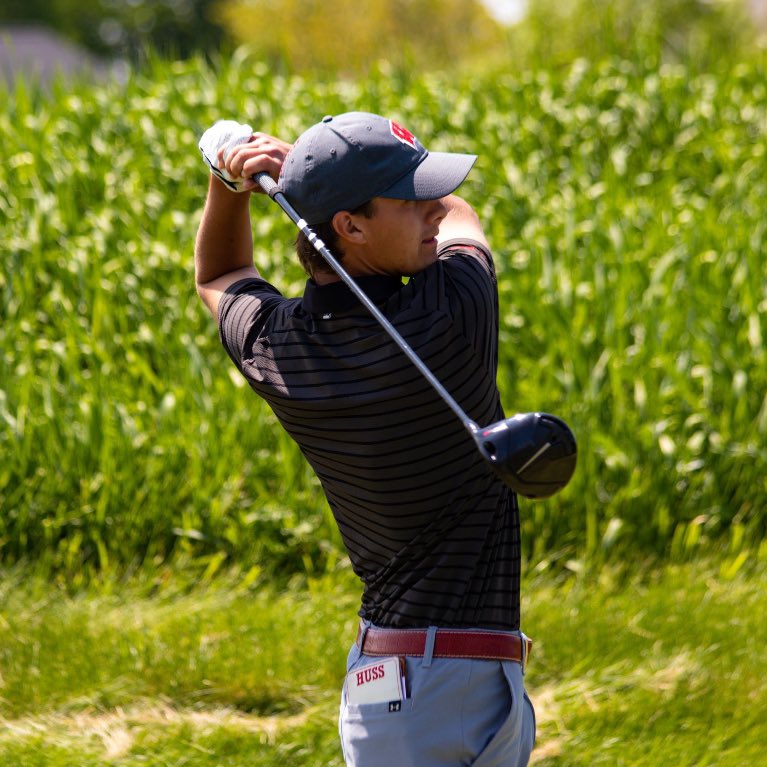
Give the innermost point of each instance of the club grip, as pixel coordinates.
(267, 183)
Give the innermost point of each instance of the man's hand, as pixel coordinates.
(224, 243)
(217, 142)
(235, 154)
(262, 153)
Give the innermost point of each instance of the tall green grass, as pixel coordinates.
(625, 205)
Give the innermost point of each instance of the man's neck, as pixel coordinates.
(325, 278)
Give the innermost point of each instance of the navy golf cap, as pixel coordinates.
(343, 161)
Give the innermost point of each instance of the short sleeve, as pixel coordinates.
(243, 312)
(472, 294)
(471, 251)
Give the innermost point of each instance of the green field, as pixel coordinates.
(662, 667)
(172, 588)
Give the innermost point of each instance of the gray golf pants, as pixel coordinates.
(459, 712)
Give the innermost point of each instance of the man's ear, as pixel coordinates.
(345, 226)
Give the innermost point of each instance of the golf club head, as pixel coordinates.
(533, 453)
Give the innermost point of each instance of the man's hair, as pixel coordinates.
(310, 259)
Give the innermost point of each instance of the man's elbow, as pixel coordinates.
(211, 291)
(209, 297)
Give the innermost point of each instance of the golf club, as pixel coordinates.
(533, 453)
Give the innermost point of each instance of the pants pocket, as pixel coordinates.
(513, 742)
(372, 733)
(371, 736)
(533, 720)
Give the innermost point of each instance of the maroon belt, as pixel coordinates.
(448, 643)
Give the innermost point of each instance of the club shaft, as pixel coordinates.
(272, 189)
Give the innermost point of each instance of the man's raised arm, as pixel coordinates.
(461, 222)
(223, 251)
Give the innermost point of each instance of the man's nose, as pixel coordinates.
(436, 210)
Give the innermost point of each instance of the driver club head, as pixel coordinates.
(533, 453)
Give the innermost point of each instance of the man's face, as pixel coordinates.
(400, 238)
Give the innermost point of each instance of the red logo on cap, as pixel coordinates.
(403, 134)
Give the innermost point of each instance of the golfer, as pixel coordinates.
(435, 675)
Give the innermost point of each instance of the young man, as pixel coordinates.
(435, 676)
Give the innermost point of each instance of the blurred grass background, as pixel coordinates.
(624, 203)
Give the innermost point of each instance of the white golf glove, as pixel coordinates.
(227, 134)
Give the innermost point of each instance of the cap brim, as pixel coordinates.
(437, 175)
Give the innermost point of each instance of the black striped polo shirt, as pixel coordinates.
(429, 529)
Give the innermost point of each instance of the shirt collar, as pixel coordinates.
(337, 297)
